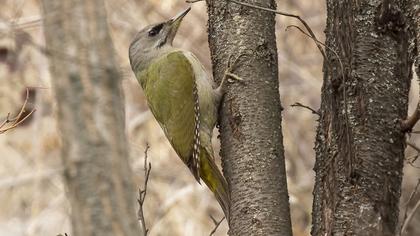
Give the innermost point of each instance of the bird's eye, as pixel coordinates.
(155, 30)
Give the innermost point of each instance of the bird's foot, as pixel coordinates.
(228, 74)
(230, 67)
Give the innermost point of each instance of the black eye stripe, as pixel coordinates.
(155, 30)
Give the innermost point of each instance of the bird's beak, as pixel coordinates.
(174, 24)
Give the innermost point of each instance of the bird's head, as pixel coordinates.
(154, 40)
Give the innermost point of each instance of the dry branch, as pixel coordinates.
(11, 123)
(408, 124)
(408, 218)
(298, 104)
(216, 224)
(143, 192)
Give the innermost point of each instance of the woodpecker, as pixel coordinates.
(183, 100)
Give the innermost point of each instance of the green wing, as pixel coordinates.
(169, 85)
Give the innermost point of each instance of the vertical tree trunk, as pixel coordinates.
(251, 135)
(87, 89)
(359, 144)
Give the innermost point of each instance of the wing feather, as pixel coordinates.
(173, 99)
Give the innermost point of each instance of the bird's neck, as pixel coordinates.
(141, 60)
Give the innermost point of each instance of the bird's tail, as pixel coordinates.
(211, 175)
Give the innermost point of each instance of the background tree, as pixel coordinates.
(359, 143)
(91, 118)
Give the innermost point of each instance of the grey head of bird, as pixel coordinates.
(153, 41)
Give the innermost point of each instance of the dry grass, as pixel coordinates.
(32, 195)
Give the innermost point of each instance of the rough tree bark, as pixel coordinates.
(359, 144)
(250, 124)
(90, 116)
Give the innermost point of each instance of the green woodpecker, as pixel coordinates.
(182, 99)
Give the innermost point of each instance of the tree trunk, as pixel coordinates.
(359, 144)
(90, 116)
(250, 117)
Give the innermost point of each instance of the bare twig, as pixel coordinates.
(193, 1)
(298, 104)
(413, 158)
(142, 193)
(216, 224)
(413, 146)
(408, 124)
(408, 218)
(20, 117)
(27, 22)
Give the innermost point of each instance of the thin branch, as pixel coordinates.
(406, 219)
(142, 193)
(413, 158)
(413, 146)
(408, 124)
(320, 43)
(298, 104)
(20, 118)
(193, 1)
(216, 224)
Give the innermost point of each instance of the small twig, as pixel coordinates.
(193, 1)
(20, 118)
(406, 219)
(142, 193)
(413, 146)
(320, 43)
(414, 158)
(298, 104)
(216, 224)
(408, 124)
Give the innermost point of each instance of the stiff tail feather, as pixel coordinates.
(211, 175)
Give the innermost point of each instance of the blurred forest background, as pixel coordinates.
(32, 195)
